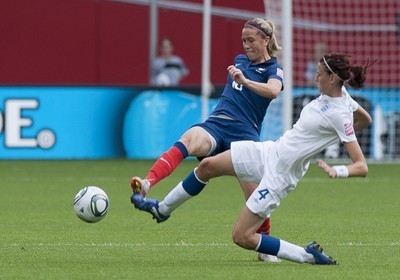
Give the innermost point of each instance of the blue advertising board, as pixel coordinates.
(156, 120)
(137, 123)
(62, 122)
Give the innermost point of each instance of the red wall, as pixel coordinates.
(101, 42)
(48, 41)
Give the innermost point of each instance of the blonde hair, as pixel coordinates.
(266, 28)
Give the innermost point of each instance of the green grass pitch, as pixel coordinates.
(355, 220)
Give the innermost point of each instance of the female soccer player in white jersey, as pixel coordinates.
(278, 166)
(253, 81)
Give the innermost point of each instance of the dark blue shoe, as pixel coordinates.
(320, 258)
(149, 205)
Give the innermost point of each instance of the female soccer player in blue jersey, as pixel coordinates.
(278, 166)
(253, 81)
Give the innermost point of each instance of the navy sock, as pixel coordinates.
(182, 148)
(192, 185)
(269, 245)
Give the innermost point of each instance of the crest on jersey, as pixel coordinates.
(260, 70)
(348, 129)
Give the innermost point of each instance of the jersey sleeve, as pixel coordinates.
(354, 105)
(345, 129)
(275, 73)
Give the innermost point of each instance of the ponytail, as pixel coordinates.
(339, 65)
(358, 74)
(273, 46)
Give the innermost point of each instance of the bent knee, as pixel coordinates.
(240, 239)
(205, 169)
(365, 170)
(197, 141)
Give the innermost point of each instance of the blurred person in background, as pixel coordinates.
(167, 69)
(311, 66)
(253, 81)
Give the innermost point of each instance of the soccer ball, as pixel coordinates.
(91, 204)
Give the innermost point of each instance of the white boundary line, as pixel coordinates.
(180, 244)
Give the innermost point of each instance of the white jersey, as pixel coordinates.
(321, 122)
(278, 166)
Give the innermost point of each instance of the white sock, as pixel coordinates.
(292, 252)
(176, 197)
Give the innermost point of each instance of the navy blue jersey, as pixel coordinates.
(242, 104)
(245, 108)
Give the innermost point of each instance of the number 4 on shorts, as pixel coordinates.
(263, 193)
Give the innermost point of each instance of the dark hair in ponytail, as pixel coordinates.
(339, 65)
(358, 75)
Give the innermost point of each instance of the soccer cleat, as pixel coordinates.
(268, 258)
(140, 186)
(320, 258)
(149, 205)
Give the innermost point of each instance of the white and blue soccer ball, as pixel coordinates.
(91, 204)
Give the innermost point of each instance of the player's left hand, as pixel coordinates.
(328, 170)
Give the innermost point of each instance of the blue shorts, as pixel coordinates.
(227, 131)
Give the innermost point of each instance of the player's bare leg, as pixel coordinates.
(265, 228)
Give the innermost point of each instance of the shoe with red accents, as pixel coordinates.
(140, 186)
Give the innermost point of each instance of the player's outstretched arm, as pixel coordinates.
(358, 167)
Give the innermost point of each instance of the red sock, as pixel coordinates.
(167, 163)
(265, 227)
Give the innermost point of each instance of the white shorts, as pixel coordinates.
(250, 161)
(263, 202)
